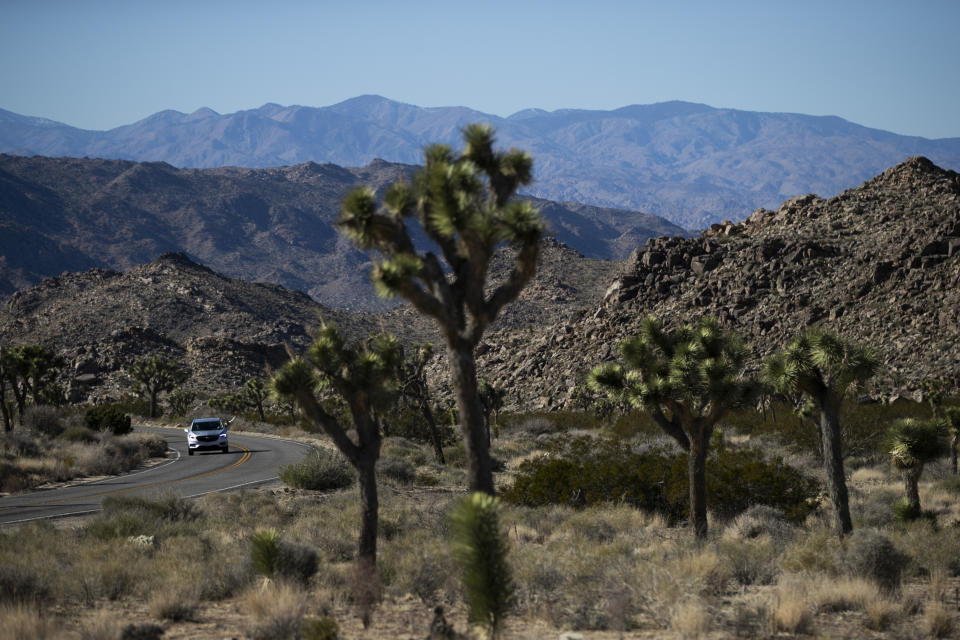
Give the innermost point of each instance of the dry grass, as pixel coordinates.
(277, 609)
(938, 620)
(19, 622)
(691, 619)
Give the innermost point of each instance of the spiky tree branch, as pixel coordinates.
(463, 203)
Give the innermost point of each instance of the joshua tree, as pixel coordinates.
(179, 401)
(255, 391)
(914, 443)
(414, 391)
(5, 409)
(952, 417)
(463, 203)
(153, 376)
(687, 380)
(31, 371)
(823, 367)
(491, 399)
(364, 376)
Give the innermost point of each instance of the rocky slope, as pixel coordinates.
(879, 263)
(226, 330)
(270, 225)
(691, 163)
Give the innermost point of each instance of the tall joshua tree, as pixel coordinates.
(687, 380)
(155, 375)
(464, 204)
(364, 376)
(823, 367)
(913, 444)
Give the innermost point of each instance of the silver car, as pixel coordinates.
(207, 433)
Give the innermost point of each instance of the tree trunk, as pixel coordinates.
(434, 433)
(464, 370)
(833, 462)
(697, 477)
(911, 482)
(953, 452)
(369, 507)
(366, 587)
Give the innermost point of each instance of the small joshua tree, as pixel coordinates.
(687, 380)
(255, 391)
(464, 204)
(414, 392)
(364, 376)
(823, 368)
(31, 371)
(153, 376)
(914, 443)
(480, 550)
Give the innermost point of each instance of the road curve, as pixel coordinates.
(252, 461)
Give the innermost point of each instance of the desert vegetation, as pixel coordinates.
(528, 525)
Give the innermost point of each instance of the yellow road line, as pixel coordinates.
(246, 456)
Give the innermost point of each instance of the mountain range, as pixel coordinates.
(690, 163)
(271, 225)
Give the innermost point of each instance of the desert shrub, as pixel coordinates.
(133, 405)
(43, 419)
(323, 628)
(872, 555)
(126, 516)
(168, 506)
(152, 446)
(321, 470)
(760, 520)
(591, 471)
(108, 418)
(22, 443)
(142, 631)
(79, 434)
(751, 560)
(273, 557)
(815, 551)
(20, 584)
(950, 484)
(173, 603)
(396, 469)
(409, 423)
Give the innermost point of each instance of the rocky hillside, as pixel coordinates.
(226, 330)
(691, 163)
(879, 263)
(269, 225)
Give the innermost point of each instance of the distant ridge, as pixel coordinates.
(270, 225)
(691, 163)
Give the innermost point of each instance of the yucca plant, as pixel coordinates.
(266, 552)
(913, 444)
(480, 549)
(823, 367)
(464, 202)
(687, 379)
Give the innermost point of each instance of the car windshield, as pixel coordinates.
(206, 425)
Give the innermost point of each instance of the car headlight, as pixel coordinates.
(191, 436)
(223, 435)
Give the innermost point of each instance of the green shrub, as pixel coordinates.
(265, 552)
(872, 555)
(590, 471)
(321, 470)
(79, 434)
(108, 418)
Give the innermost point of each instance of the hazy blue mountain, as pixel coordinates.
(271, 225)
(691, 163)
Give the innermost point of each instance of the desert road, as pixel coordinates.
(251, 461)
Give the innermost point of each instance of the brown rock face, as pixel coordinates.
(879, 263)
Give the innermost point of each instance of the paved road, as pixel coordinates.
(252, 461)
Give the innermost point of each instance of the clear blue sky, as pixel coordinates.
(888, 64)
